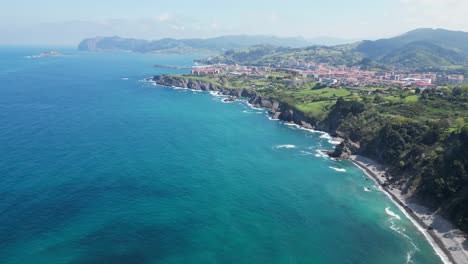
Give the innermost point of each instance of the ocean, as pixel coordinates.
(98, 166)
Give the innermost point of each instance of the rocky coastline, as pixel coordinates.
(277, 109)
(347, 149)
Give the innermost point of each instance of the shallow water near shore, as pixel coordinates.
(99, 167)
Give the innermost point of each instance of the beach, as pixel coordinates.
(450, 243)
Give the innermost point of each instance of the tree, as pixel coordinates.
(457, 91)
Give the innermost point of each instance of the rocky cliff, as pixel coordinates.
(278, 110)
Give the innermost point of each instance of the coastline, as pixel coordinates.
(446, 240)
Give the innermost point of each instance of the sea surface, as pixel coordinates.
(97, 166)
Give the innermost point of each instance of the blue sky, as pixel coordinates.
(67, 22)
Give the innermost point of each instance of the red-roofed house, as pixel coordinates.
(422, 84)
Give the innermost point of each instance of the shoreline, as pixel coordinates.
(441, 242)
(445, 239)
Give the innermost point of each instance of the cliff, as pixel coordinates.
(278, 109)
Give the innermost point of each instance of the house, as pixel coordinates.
(205, 71)
(422, 84)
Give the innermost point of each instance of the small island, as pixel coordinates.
(46, 54)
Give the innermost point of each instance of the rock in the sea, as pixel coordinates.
(344, 150)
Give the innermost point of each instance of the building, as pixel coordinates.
(205, 71)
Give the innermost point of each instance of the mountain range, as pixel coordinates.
(420, 48)
(195, 45)
(417, 49)
(429, 47)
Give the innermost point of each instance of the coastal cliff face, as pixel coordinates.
(278, 110)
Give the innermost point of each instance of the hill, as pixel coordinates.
(456, 41)
(421, 48)
(195, 45)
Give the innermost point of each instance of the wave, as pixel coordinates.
(320, 154)
(392, 214)
(401, 231)
(330, 139)
(296, 126)
(216, 93)
(337, 169)
(334, 141)
(253, 107)
(147, 80)
(287, 146)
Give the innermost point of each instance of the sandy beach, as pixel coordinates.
(450, 243)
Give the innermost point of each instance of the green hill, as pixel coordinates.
(456, 41)
(270, 55)
(195, 45)
(417, 54)
(421, 48)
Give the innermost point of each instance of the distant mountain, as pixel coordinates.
(421, 48)
(268, 55)
(168, 45)
(331, 41)
(452, 40)
(422, 53)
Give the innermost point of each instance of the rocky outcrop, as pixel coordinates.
(283, 111)
(185, 83)
(277, 109)
(344, 150)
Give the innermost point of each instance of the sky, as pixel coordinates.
(64, 22)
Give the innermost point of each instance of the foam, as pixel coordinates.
(330, 139)
(253, 107)
(337, 169)
(286, 146)
(296, 126)
(320, 154)
(401, 231)
(392, 214)
(334, 142)
(216, 94)
(227, 101)
(423, 231)
(148, 80)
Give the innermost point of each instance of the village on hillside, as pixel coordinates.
(351, 76)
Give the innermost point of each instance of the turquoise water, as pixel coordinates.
(99, 169)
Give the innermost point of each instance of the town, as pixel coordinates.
(335, 76)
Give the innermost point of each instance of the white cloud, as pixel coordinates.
(163, 17)
(177, 27)
(273, 17)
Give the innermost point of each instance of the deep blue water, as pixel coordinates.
(95, 168)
